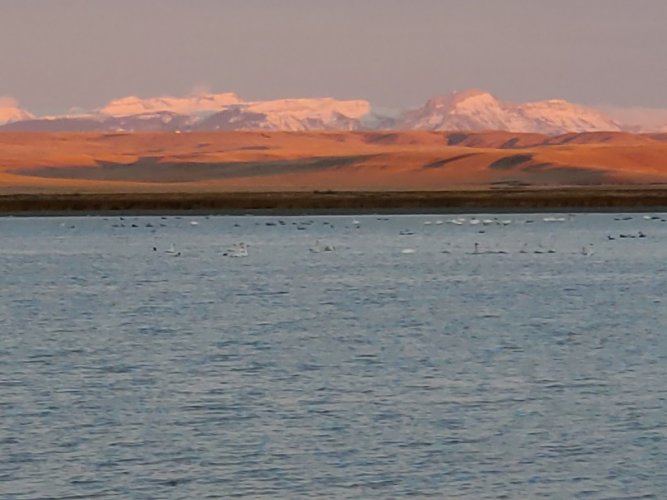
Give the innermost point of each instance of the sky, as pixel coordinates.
(62, 54)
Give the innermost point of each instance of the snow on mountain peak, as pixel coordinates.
(290, 115)
(466, 110)
(200, 103)
(557, 116)
(325, 108)
(228, 112)
(478, 110)
(466, 98)
(11, 112)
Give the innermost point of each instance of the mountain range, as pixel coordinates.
(470, 110)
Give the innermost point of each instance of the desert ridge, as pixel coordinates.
(335, 160)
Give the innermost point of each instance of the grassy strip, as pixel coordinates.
(494, 200)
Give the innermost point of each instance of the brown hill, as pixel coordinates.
(269, 161)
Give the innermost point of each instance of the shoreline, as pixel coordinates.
(624, 199)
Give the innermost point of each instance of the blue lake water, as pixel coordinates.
(533, 366)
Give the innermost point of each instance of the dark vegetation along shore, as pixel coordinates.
(498, 200)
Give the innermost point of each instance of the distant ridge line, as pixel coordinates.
(468, 110)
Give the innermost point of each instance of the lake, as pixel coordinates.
(452, 356)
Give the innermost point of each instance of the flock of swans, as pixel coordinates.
(241, 249)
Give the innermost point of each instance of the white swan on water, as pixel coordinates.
(172, 251)
(586, 251)
(318, 247)
(237, 250)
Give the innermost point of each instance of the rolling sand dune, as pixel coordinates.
(303, 161)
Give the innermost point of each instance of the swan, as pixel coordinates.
(237, 250)
(172, 251)
(586, 251)
(318, 247)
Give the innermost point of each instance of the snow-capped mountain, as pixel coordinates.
(11, 112)
(192, 105)
(471, 110)
(146, 122)
(557, 116)
(207, 113)
(290, 115)
(478, 110)
(229, 112)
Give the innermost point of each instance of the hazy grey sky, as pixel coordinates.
(56, 54)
